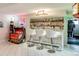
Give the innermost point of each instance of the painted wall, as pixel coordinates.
(4, 29)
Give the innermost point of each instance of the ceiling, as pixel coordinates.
(14, 8)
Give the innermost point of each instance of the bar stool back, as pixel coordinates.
(57, 29)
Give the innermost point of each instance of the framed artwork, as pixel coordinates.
(1, 24)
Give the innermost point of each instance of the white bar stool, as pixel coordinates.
(32, 33)
(52, 35)
(40, 34)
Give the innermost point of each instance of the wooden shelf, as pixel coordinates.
(47, 22)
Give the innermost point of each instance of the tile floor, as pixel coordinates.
(10, 49)
(32, 51)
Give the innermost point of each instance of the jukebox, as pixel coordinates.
(16, 34)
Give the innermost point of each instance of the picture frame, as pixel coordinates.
(1, 24)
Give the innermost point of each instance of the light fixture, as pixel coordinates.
(41, 12)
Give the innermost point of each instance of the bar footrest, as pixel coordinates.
(44, 44)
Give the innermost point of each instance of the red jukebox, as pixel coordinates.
(17, 28)
(17, 34)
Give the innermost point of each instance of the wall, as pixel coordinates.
(4, 29)
(27, 28)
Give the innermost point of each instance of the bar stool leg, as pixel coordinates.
(40, 47)
(30, 43)
(51, 50)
